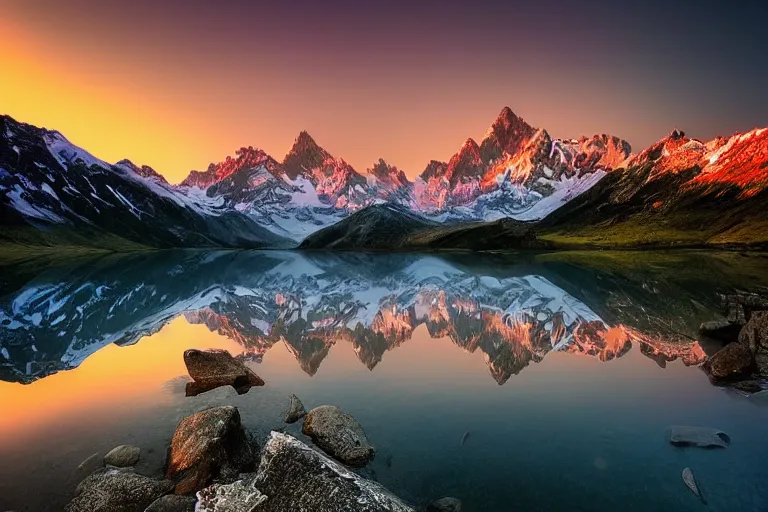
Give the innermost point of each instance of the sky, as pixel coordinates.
(177, 84)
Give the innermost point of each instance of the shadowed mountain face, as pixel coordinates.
(512, 310)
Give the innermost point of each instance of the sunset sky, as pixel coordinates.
(178, 84)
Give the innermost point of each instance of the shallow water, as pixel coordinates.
(565, 370)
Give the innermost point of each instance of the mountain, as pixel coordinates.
(680, 191)
(334, 180)
(529, 188)
(389, 227)
(388, 183)
(55, 193)
(512, 311)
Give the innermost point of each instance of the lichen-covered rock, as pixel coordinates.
(733, 361)
(295, 411)
(297, 478)
(703, 437)
(238, 496)
(215, 368)
(339, 435)
(172, 503)
(209, 444)
(116, 490)
(123, 456)
(447, 504)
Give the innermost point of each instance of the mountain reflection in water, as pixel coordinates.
(512, 309)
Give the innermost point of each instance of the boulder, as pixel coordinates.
(732, 361)
(720, 330)
(703, 437)
(172, 503)
(296, 410)
(209, 444)
(295, 477)
(755, 333)
(123, 456)
(116, 490)
(235, 497)
(339, 435)
(445, 505)
(211, 369)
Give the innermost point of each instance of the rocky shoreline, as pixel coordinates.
(214, 464)
(741, 362)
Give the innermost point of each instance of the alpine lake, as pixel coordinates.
(514, 382)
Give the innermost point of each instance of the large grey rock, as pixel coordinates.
(116, 490)
(733, 361)
(339, 435)
(172, 503)
(211, 369)
(123, 456)
(704, 437)
(235, 497)
(208, 444)
(295, 411)
(297, 478)
(447, 504)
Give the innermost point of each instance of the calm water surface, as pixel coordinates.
(565, 370)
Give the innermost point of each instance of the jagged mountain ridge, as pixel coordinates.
(53, 320)
(515, 169)
(517, 172)
(679, 191)
(55, 193)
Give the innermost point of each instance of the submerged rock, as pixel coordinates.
(295, 477)
(172, 503)
(733, 361)
(90, 464)
(116, 490)
(123, 456)
(209, 444)
(760, 398)
(339, 435)
(447, 504)
(211, 369)
(704, 437)
(235, 497)
(296, 410)
(690, 482)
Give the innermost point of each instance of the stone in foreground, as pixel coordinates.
(209, 444)
(447, 504)
(296, 410)
(703, 437)
(123, 456)
(339, 435)
(731, 362)
(115, 490)
(211, 369)
(297, 478)
(172, 503)
(235, 497)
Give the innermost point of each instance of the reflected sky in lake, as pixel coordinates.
(564, 369)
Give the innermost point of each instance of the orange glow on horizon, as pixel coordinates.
(134, 375)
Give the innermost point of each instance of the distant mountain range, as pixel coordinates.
(545, 192)
(513, 312)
